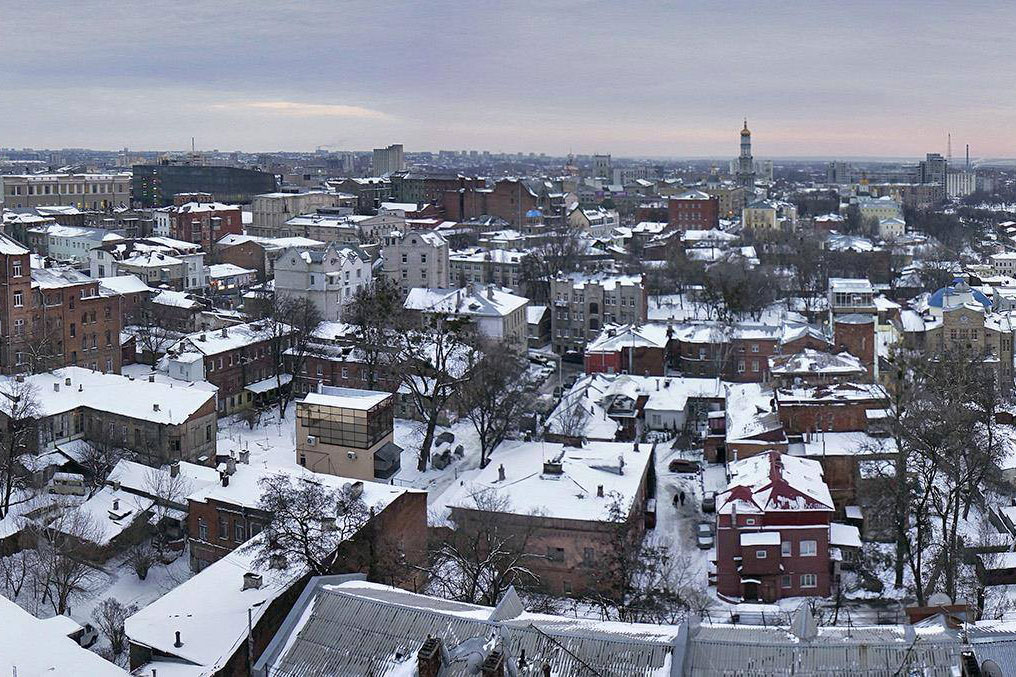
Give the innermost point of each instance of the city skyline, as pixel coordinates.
(641, 81)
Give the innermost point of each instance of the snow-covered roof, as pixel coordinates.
(346, 398)
(615, 337)
(111, 512)
(222, 340)
(144, 479)
(534, 314)
(221, 270)
(204, 207)
(123, 284)
(749, 412)
(133, 398)
(30, 646)
(489, 301)
(809, 362)
(573, 494)
(772, 481)
(844, 535)
(609, 281)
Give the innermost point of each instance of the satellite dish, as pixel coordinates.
(989, 668)
(939, 599)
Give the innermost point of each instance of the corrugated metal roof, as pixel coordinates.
(372, 634)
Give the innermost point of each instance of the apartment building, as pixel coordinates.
(83, 191)
(388, 160)
(501, 267)
(271, 211)
(347, 432)
(583, 302)
(693, 210)
(205, 223)
(159, 261)
(417, 258)
(769, 215)
(328, 277)
(598, 222)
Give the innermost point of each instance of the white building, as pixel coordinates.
(157, 260)
(890, 229)
(878, 208)
(496, 313)
(960, 184)
(389, 160)
(1004, 263)
(418, 258)
(597, 222)
(70, 243)
(328, 277)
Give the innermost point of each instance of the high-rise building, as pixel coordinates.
(745, 164)
(601, 166)
(389, 160)
(933, 169)
(155, 185)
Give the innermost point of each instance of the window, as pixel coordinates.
(754, 347)
(223, 528)
(202, 529)
(255, 529)
(754, 365)
(750, 521)
(809, 580)
(785, 581)
(740, 366)
(19, 299)
(588, 556)
(239, 532)
(73, 330)
(809, 548)
(761, 554)
(16, 269)
(786, 548)
(555, 554)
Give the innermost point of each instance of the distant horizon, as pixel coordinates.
(642, 79)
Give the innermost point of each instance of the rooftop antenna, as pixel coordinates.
(192, 144)
(968, 156)
(948, 148)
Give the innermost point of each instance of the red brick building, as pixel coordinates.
(641, 350)
(225, 515)
(693, 210)
(54, 317)
(205, 223)
(773, 529)
(855, 333)
(740, 354)
(509, 199)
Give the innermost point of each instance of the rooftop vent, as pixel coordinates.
(553, 468)
(252, 581)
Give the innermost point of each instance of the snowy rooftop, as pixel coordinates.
(775, 482)
(138, 399)
(30, 646)
(810, 361)
(143, 479)
(221, 270)
(609, 281)
(111, 512)
(222, 340)
(573, 494)
(347, 398)
(487, 301)
(749, 412)
(123, 284)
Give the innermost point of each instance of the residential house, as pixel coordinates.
(328, 277)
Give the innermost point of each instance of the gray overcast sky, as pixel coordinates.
(628, 78)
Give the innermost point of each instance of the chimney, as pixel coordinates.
(500, 473)
(224, 477)
(174, 469)
(251, 581)
(428, 658)
(636, 448)
(20, 378)
(116, 505)
(201, 337)
(490, 292)
(230, 465)
(356, 489)
(620, 464)
(151, 378)
(116, 485)
(277, 561)
(493, 664)
(178, 643)
(155, 406)
(56, 387)
(81, 388)
(245, 456)
(67, 381)
(599, 491)
(225, 332)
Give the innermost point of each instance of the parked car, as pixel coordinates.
(709, 502)
(704, 535)
(683, 465)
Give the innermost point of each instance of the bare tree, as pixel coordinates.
(485, 554)
(140, 558)
(435, 359)
(288, 325)
(377, 316)
(19, 409)
(170, 495)
(308, 523)
(109, 616)
(495, 396)
(561, 252)
(152, 323)
(635, 580)
(63, 558)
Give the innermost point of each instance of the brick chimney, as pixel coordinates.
(428, 658)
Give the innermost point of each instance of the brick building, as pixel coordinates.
(158, 423)
(641, 349)
(509, 199)
(693, 210)
(572, 530)
(223, 516)
(204, 223)
(238, 360)
(582, 303)
(773, 530)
